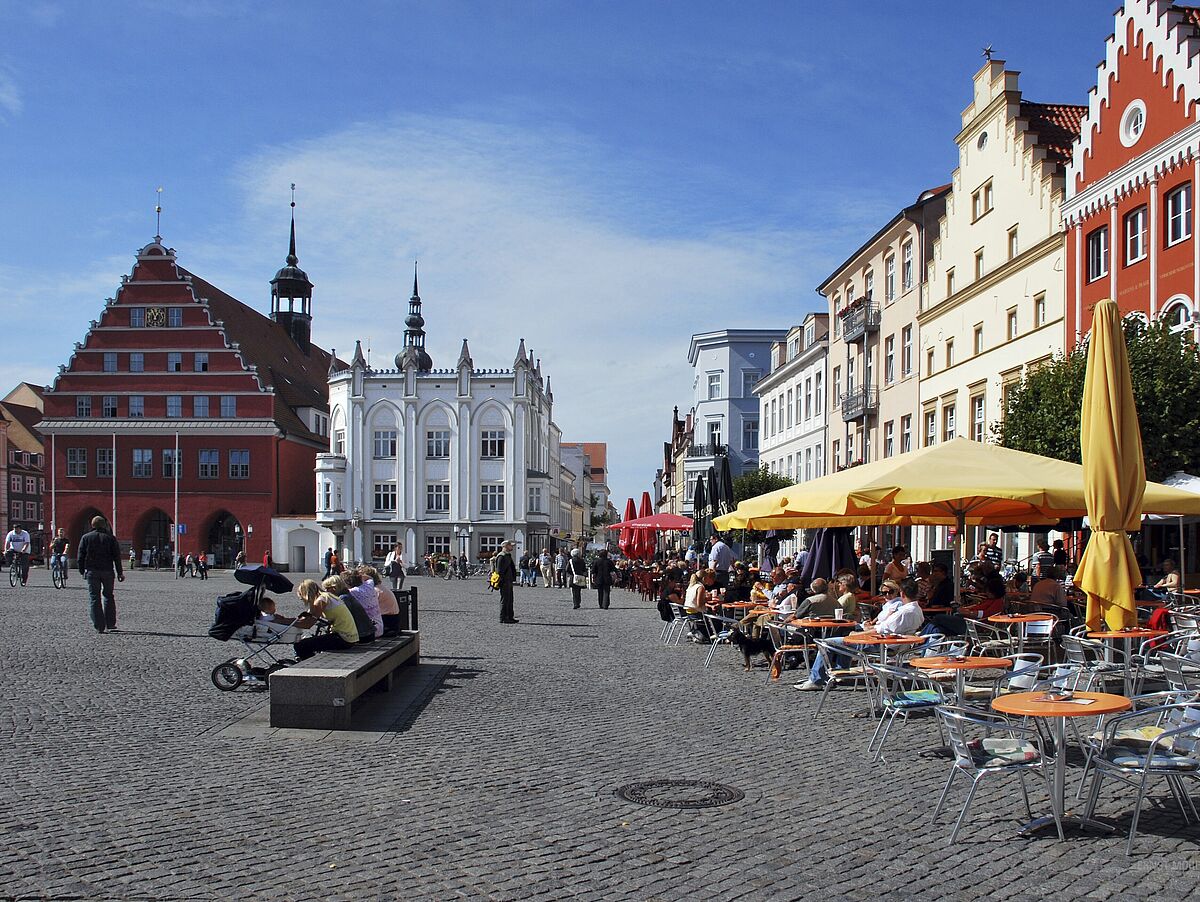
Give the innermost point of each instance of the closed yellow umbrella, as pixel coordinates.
(1114, 475)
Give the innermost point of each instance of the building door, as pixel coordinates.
(296, 559)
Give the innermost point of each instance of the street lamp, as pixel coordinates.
(246, 545)
(463, 534)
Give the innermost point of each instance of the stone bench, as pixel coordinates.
(319, 694)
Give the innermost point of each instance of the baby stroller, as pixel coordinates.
(237, 617)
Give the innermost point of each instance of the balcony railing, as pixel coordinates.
(712, 449)
(859, 403)
(858, 321)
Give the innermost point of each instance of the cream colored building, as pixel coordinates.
(874, 297)
(874, 340)
(995, 300)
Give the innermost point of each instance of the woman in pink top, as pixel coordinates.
(389, 607)
(363, 591)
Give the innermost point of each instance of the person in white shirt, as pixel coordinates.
(16, 549)
(899, 614)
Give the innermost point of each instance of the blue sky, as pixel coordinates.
(602, 179)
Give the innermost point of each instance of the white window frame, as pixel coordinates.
(437, 497)
(1177, 207)
(1097, 254)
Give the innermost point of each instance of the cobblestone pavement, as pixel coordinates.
(119, 783)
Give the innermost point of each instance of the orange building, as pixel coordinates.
(1130, 208)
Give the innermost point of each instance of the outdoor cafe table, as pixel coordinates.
(1137, 632)
(960, 666)
(884, 642)
(1020, 620)
(1081, 704)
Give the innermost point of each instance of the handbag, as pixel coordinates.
(579, 581)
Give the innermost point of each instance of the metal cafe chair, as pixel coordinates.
(1003, 747)
(720, 630)
(903, 692)
(856, 674)
(1171, 756)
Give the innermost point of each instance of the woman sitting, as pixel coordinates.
(336, 586)
(362, 583)
(695, 602)
(389, 610)
(1170, 580)
(319, 604)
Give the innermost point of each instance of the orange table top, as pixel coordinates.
(1019, 618)
(1033, 704)
(1140, 632)
(821, 622)
(939, 662)
(936, 609)
(869, 638)
(738, 604)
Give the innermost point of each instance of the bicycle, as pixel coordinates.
(18, 569)
(58, 572)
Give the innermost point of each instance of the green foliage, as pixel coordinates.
(1042, 412)
(757, 482)
(751, 484)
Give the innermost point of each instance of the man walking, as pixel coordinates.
(602, 577)
(99, 561)
(720, 559)
(507, 571)
(328, 561)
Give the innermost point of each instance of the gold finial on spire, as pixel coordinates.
(158, 213)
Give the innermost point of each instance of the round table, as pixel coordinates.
(960, 666)
(822, 623)
(1020, 620)
(884, 642)
(1034, 704)
(1139, 632)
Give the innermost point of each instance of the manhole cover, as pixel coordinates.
(680, 793)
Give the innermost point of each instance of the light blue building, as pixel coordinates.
(726, 365)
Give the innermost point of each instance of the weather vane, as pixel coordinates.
(293, 195)
(158, 213)
(987, 52)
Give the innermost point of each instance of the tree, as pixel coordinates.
(758, 482)
(1042, 412)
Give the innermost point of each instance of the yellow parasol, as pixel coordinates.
(1114, 475)
(959, 483)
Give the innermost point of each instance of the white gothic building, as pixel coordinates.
(443, 460)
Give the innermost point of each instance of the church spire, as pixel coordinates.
(414, 335)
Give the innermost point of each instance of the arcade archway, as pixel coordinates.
(224, 540)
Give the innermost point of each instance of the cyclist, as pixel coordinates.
(58, 553)
(16, 543)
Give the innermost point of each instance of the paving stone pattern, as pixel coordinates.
(122, 778)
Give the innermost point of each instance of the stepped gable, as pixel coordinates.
(1057, 126)
(299, 379)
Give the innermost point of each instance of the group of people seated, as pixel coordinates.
(356, 604)
(913, 598)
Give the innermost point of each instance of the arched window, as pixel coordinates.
(1178, 314)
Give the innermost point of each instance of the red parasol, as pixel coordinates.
(626, 539)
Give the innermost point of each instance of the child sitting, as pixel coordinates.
(266, 612)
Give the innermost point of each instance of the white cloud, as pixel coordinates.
(10, 94)
(521, 233)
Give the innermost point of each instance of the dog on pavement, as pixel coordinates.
(750, 646)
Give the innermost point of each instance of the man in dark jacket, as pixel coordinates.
(99, 561)
(508, 575)
(602, 577)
